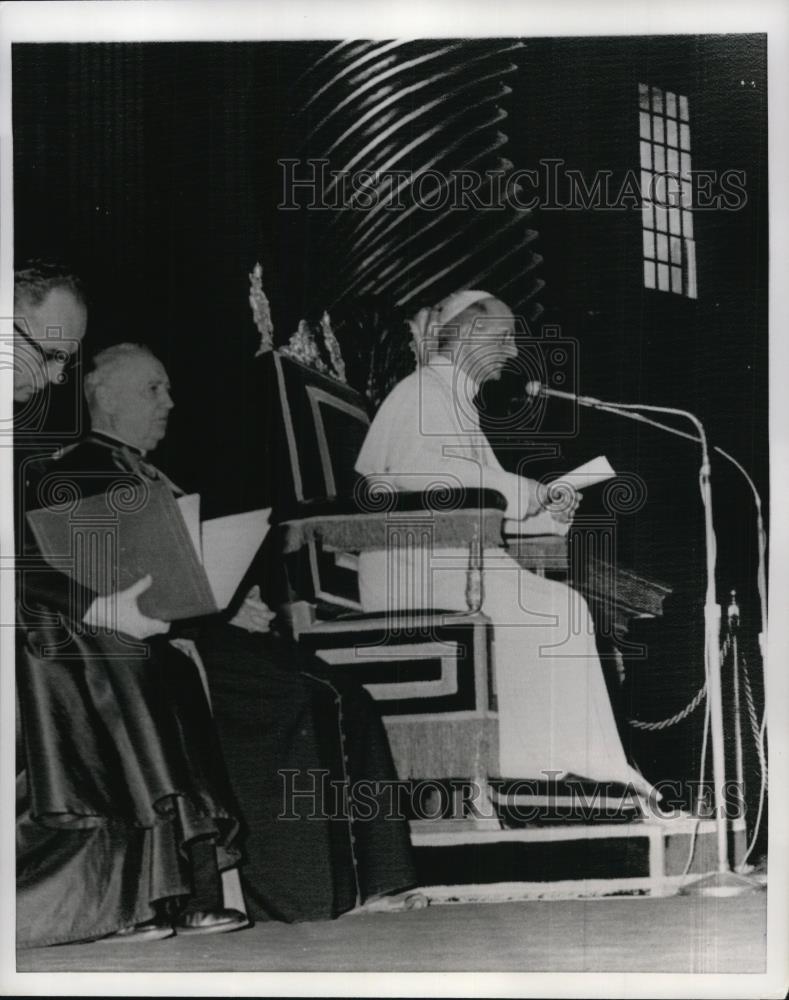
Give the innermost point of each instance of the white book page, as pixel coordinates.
(229, 546)
(190, 510)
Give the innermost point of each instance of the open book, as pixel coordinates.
(109, 541)
(598, 470)
(226, 545)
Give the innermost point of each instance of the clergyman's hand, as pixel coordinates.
(254, 615)
(119, 612)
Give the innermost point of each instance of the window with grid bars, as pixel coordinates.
(666, 192)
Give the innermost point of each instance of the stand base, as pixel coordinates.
(726, 883)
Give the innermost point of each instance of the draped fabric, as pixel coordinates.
(111, 736)
(121, 772)
(120, 766)
(412, 115)
(285, 729)
(407, 142)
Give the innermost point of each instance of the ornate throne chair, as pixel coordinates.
(430, 671)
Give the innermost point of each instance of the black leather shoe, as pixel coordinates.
(211, 922)
(151, 930)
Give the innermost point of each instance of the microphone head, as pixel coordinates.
(534, 388)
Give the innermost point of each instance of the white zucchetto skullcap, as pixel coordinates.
(454, 304)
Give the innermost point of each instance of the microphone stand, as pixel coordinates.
(761, 534)
(724, 881)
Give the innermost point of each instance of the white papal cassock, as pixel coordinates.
(554, 711)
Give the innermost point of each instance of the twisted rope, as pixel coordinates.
(753, 718)
(691, 706)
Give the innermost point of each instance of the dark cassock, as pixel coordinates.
(299, 746)
(126, 766)
(120, 773)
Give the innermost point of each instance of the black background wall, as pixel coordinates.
(152, 167)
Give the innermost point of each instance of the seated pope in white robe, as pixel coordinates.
(555, 716)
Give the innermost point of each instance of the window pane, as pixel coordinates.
(666, 191)
(673, 191)
(690, 255)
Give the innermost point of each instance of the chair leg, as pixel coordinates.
(485, 816)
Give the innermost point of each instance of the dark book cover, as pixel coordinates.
(109, 541)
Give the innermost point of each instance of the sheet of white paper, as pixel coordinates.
(229, 546)
(190, 509)
(597, 470)
(589, 474)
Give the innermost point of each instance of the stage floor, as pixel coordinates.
(681, 934)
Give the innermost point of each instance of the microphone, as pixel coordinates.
(536, 388)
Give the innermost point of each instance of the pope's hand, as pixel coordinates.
(536, 496)
(254, 615)
(562, 501)
(119, 612)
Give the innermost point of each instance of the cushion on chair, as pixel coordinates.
(452, 517)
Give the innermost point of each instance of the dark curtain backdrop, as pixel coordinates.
(152, 167)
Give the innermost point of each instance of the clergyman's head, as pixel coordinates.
(50, 317)
(480, 336)
(128, 394)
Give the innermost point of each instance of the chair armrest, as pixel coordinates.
(455, 517)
